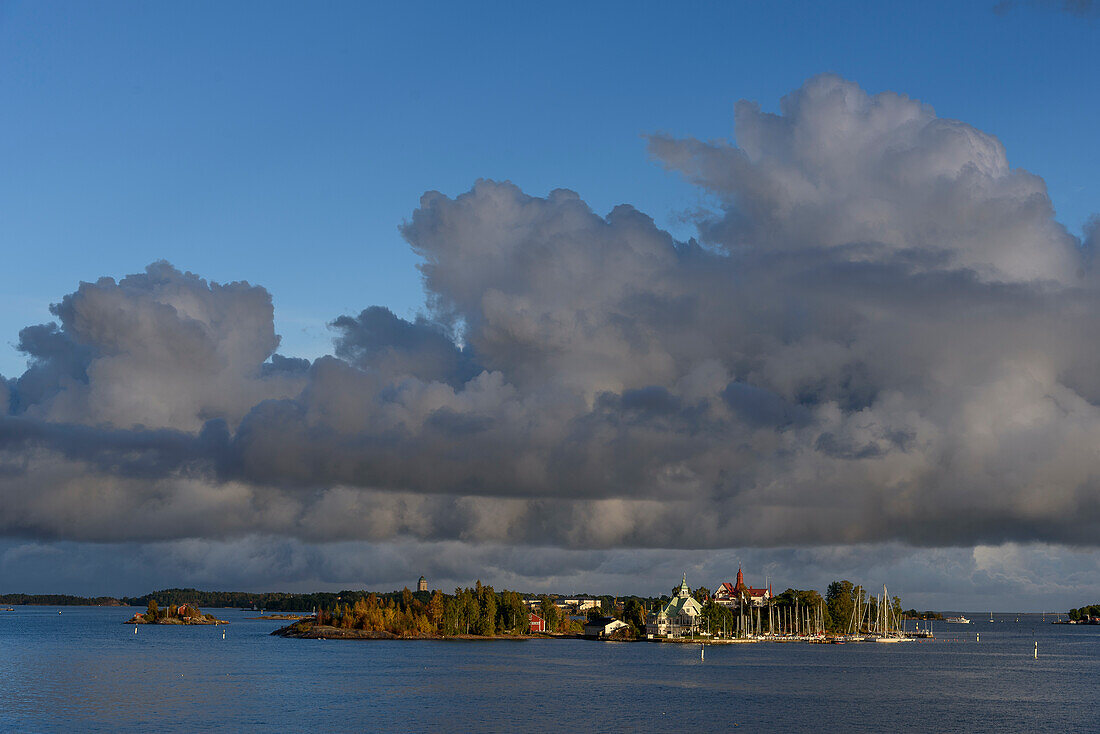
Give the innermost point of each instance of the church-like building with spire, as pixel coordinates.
(679, 617)
(731, 595)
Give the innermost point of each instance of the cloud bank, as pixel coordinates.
(880, 335)
(1000, 578)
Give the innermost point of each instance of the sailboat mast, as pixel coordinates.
(887, 611)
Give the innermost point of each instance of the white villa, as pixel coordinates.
(679, 617)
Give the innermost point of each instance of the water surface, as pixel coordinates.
(82, 670)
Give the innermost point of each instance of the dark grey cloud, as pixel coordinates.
(881, 335)
(378, 341)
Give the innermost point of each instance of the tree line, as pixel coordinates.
(274, 601)
(479, 610)
(61, 600)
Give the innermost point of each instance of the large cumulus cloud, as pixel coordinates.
(881, 333)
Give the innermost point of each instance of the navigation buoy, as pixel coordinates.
(135, 629)
(223, 634)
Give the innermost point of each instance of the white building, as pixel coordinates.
(580, 603)
(602, 627)
(679, 617)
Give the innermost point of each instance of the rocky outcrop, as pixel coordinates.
(140, 618)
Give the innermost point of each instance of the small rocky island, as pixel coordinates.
(182, 614)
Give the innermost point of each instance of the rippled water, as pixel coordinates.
(83, 670)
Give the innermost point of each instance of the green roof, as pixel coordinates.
(682, 606)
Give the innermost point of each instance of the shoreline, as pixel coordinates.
(328, 632)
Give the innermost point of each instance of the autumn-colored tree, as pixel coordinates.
(435, 608)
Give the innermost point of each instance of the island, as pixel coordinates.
(924, 616)
(479, 613)
(182, 614)
(1089, 614)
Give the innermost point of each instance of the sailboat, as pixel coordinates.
(888, 631)
(873, 627)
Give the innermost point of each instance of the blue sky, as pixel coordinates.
(883, 368)
(284, 145)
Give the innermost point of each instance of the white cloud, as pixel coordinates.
(885, 338)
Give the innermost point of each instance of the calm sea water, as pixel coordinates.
(82, 670)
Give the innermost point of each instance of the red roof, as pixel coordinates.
(732, 590)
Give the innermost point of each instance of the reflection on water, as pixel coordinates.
(83, 670)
